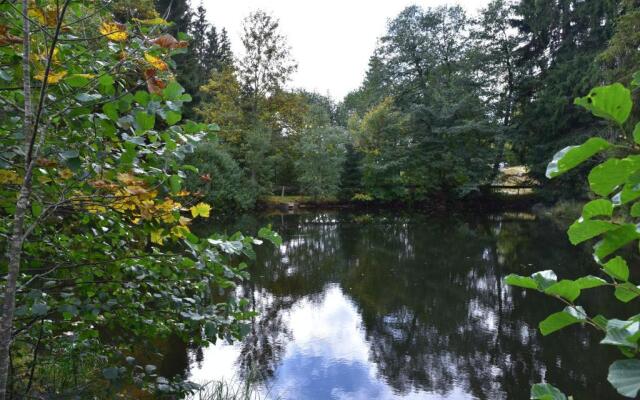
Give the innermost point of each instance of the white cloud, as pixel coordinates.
(332, 40)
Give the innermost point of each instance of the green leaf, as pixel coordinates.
(521, 281)
(69, 154)
(106, 84)
(141, 97)
(624, 375)
(626, 292)
(614, 240)
(545, 279)
(597, 208)
(545, 391)
(175, 182)
(590, 282)
(566, 289)
(617, 268)
(144, 121)
(572, 156)
(76, 81)
(40, 309)
(172, 117)
(173, 91)
(557, 321)
(636, 133)
(635, 210)
(611, 102)
(5, 75)
(268, 234)
(88, 97)
(36, 209)
(111, 110)
(606, 177)
(583, 230)
(622, 333)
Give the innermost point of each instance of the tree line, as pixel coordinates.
(447, 99)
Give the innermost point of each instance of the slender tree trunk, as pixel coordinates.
(14, 251)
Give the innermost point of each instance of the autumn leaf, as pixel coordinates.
(156, 62)
(153, 21)
(179, 231)
(7, 38)
(53, 78)
(48, 17)
(154, 85)
(200, 210)
(114, 31)
(8, 177)
(65, 173)
(169, 42)
(157, 237)
(95, 209)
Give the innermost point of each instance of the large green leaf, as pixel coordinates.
(617, 268)
(545, 391)
(544, 279)
(583, 230)
(144, 121)
(566, 289)
(597, 208)
(624, 375)
(622, 333)
(615, 239)
(626, 292)
(557, 321)
(612, 102)
(521, 281)
(572, 156)
(589, 282)
(606, 177)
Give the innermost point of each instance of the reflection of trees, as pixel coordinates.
(434, 309)
(301, 267)
(441, 317)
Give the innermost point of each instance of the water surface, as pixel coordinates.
(409, 306)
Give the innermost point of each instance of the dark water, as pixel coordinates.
(392, 305)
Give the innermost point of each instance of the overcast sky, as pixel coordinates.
(331, 40)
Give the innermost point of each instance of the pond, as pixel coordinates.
(397, 305)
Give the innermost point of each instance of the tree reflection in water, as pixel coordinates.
(388, 306)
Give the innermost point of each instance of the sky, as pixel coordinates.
(331, 40)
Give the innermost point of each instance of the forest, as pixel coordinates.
(127, 129)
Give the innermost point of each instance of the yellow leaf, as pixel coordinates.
(154, 21)
(156, 62)
(184, 221)
(179, 231)
(157, 237)
(65, 173)
(129, 179)
(8, 177)
(53, 78)
(114, 31)
(200, 210)
(88, 76)
(95, 209)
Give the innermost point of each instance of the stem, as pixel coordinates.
(14, 250)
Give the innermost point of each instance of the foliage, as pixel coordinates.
(610, 218)
(219, 178)
(267, 64)
(322, 154)
(95, 219)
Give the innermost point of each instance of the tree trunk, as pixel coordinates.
(14, 250)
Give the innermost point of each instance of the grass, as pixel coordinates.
(223, 390)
